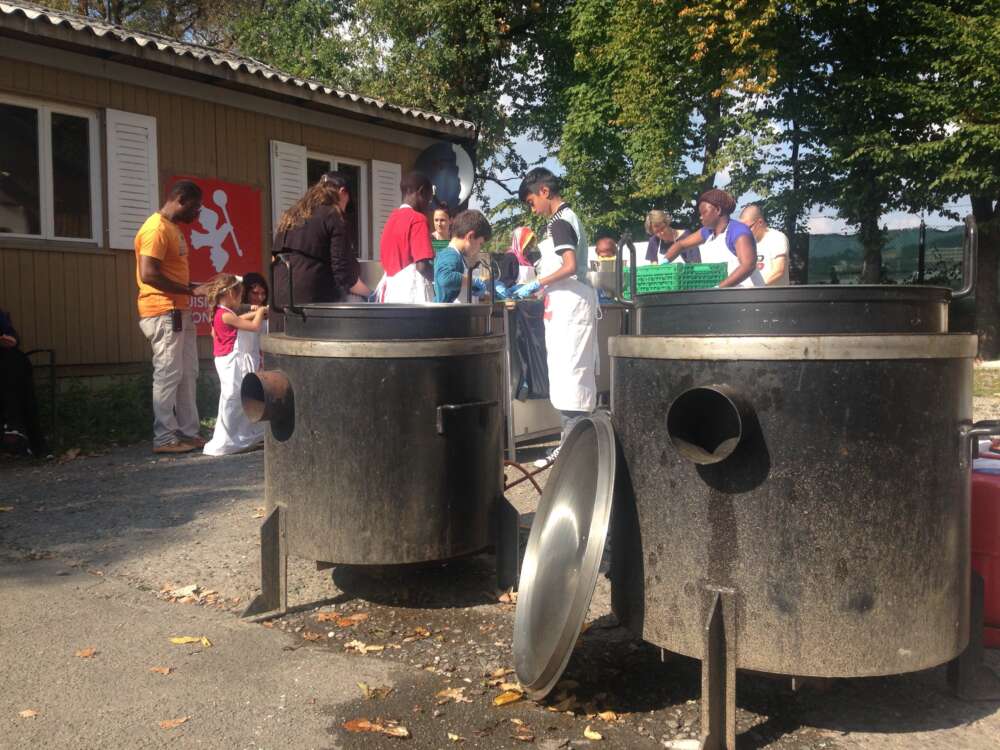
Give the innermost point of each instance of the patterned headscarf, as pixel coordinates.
(522, 237)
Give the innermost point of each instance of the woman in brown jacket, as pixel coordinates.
(315, 237)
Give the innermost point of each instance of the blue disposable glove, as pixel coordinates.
(478, 287)
(500, 290)
(527, 290)
(372, 297)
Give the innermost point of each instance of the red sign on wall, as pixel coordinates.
(225, 238)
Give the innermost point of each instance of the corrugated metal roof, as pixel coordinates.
(215, 57)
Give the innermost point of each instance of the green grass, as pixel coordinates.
(95, 413)
(986, 382)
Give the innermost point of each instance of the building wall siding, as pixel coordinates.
(80, 300)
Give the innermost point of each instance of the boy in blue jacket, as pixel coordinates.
(469, 232)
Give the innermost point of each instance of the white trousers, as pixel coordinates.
(175, 377)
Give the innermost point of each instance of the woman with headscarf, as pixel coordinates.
(515, 267)
(722, 240)
(315, 237)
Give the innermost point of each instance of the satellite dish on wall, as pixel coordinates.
(449, 167)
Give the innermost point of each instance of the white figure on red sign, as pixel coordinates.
(216, 234)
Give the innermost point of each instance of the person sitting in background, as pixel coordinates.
(606, 249)
(661, 236)
(722, 240)
(17, 388)
(469, 232)
(442, 223)
(405, 248)
(516, 267)
(772, 247)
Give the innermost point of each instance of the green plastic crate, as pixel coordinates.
(675, 277)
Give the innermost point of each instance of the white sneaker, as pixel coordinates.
(549, 459)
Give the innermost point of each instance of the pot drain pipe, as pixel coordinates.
(706, 423)
(267, 397)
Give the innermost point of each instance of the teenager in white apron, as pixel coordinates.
(722, 240)
(408, 286)
(570, 303)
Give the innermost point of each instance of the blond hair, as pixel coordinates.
(216, 287)
(657, 217)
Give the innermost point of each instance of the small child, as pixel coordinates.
(469, 232)
(236, 355)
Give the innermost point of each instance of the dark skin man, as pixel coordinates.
(179, 211)
(419, 201)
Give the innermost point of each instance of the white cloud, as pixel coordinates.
(826, 225)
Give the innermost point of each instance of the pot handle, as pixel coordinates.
(626, 240)
(970, 433)
(290, 307)
(443, 408)
(970, 251)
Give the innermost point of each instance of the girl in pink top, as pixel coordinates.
(235, 357)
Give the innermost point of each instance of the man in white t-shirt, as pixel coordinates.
(772, 247)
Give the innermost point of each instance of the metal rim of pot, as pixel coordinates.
(563, 556)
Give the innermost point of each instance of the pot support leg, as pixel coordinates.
(508, 544)
(272, 601)
(718, 673)
(968, 675)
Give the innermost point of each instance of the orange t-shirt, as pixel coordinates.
(160, 238)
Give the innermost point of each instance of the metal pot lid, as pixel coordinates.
(559, 572)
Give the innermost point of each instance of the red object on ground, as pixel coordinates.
(985, 518)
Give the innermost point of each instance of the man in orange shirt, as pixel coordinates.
(163, 277)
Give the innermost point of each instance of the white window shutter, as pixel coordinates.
(133, 177)
(288, 177)
(385, 198)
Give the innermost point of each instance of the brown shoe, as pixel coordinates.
(197, 441)
(178, 446)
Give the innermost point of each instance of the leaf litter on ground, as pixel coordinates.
(173, 723)
(86, 653)
(161, 670)
(374, 693)
(180, 640)
(387, 727)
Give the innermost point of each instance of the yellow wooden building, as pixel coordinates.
(95, 119)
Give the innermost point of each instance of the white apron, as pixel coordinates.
(715, 250)
(570, 337)
(407, 287)
(233, 431)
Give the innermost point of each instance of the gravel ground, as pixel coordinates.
(443, 632)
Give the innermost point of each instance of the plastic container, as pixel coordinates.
(985, 543)
(675, 277)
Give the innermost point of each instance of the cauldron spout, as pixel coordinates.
(706, 423)
(267, 397)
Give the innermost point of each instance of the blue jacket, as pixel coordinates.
(449, 270)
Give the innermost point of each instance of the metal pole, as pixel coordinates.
(921, 252)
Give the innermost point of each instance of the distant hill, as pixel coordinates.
(899, 258)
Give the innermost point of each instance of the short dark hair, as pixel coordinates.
(535, 180)
(414, 182)
(471, 221)
(186, 190)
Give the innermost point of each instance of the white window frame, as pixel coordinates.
(363, 201)
(45, 182)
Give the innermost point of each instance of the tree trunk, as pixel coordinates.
(713, 141)
(798, 250)
(987, 306)
(872, 239)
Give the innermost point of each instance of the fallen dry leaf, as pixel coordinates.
(6, 508)
(374, 693)
(508, 597)
(454, 737)
(173, 723)
(161, 670)
(454, 694)
(28, 713)
(502, 672)
(379, 726)
(180, 640)
(352, 620)
(184, 591)
(327, 617)
(505, 686)
(310, 635)
(508, 697)
(523, 734)
(590, 734)
(86, 653)
(607, 716)
(258, 513)
(361, 647)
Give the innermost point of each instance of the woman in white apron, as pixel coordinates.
(722, 240)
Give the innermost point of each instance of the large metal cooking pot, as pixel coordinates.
(818, 309)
